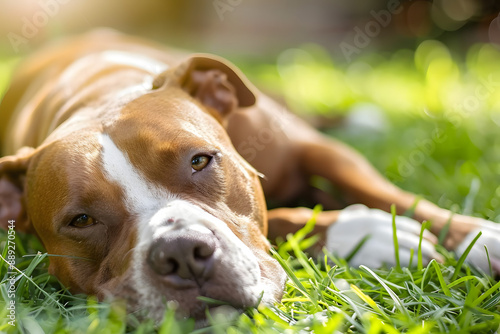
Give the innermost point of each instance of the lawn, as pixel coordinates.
(428, 119)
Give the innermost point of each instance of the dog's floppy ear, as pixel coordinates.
(213, 81)
(12, 182)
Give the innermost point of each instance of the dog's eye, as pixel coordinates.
(198, 162)
(83, 221)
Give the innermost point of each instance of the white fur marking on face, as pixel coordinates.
(142, 197)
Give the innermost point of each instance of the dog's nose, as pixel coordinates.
(183, 258)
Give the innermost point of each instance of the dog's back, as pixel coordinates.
(37, 73)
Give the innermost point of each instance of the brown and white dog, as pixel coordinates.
(142, 167)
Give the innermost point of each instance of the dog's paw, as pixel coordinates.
(357, 222)
(490, 238)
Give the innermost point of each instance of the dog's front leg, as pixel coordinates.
(284, 221)
(341, 231)
(356, 177)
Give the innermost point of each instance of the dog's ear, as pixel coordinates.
(12, 183)
(213, 81)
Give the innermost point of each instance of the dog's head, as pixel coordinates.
(152, 202)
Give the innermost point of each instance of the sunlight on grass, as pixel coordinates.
(429, 78)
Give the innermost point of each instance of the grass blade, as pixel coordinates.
(488, 293)
(462, 258)
(357, 248)
(394, 297)
(395, 237)
(440, 277)
(424, 226)
(369, 301)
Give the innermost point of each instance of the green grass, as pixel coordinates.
(418, 93)
(320, 297)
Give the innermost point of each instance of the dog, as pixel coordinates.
(145, 169)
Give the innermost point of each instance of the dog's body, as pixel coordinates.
(135, 168)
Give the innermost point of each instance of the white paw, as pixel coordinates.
(357, 221)
(490, 238)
